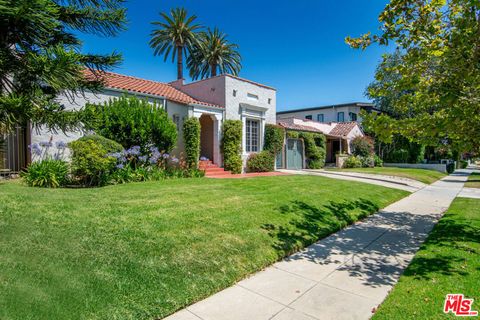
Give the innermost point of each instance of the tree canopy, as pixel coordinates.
(41, 56)
(434, 79)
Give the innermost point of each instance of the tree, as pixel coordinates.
(213, 53)
(40, 57)
(438, 76)
(176, 35)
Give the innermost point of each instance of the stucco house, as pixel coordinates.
(338, 139)
(345, 112)
(212, 100)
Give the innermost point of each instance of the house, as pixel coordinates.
(338, 139)
(332, 113)
(212, 100)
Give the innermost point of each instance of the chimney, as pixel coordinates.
(177, 84)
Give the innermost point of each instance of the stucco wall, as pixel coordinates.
(211, 90)
(79, 101)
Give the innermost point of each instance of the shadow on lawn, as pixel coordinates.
(376, 251)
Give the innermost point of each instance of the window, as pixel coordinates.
(309, 117)
(234, 93)
(252, 96)
(353, 116)
(252, 135)
(340, 116)
(176, 120)
(269, 100)
(320, 117)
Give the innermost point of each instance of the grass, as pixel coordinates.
(144, 250)
(473, 181)
(448, 262)
(422, 175)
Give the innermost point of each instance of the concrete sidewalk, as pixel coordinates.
(344, 276)
(377, 179)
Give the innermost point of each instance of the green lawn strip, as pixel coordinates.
(145, 250)
(422, 175)
(448, 262)
(473, 181)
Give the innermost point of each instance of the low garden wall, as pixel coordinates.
(430, 166)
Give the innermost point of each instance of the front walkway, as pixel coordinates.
(344, 276)
(377, 179)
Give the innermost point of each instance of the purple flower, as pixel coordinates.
(153, 149)
(119, 166)
(134, 151)
(142, 158)
(60, 145)
(165, 156)
(46, 144)
(36, 150)
(153, 160)
(174, 160)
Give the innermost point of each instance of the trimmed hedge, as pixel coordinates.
(261, 162)
(135, 122)
(232, 145)
(109, 145)
(274, 138)
(191, 138)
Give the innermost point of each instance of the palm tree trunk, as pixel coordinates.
(179, 62)
(213, 69)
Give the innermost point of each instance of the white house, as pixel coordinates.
(211, 100)
(332, 113)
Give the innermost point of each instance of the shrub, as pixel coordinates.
(107, 144)
(314, 149)
(378, 162)
(463, 164)
(274, 138)
(131, 121)
(232, 145)
(352, 162)
(191, 138)
(90, 163)
(450, 167)
(261, 162)
(367, 162)
(362, 146)
(399, 156)
(47, 173)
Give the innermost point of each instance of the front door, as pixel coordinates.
(294, 154)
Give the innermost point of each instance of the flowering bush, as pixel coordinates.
(48, 170)
(353, 162)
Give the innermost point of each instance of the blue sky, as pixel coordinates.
(295, 46)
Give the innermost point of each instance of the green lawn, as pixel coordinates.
(448, 262)
(144, 250)
(473, 181)
(422, 175)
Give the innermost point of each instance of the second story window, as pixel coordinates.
(309, 117)
(353, 116)
(320, 117)
(234, 93)
(252, 96)
(340, 116)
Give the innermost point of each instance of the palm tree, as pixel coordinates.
(213, 53)
(176, 35)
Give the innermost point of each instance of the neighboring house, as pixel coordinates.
(333, 113)
(338, 138)
(211, 100)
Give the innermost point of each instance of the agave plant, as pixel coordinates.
(213, 53)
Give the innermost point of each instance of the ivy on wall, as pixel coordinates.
(315, 147)
(274, 138)
(191, 138)
(232, 145)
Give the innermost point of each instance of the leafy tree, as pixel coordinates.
(438, 73)
(176, 35)
(212, 53)
(40, 57)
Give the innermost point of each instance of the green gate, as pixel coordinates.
(294, 154)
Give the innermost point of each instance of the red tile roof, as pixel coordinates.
(342, 129)
(133, 84)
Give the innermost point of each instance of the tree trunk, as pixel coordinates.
(213, 69)
(179, 62)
